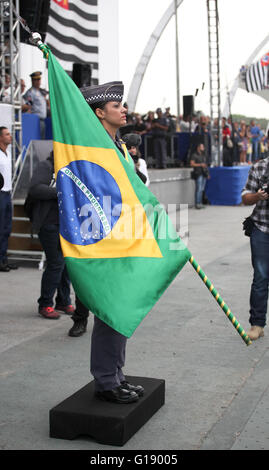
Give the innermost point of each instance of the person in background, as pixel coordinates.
(263, 146)
(256, 192)
(227, 143)
(249, 145)
(6, 97)
(80, 319)
(185, 125)
(133, 141)
(40, 102)
(202, 128)
(45, 222)
(5, 198)
(255, 138)
(198, 162)
(148, 120)
(235, 139)
(25, 104)
(243, 143)
(160, 127)
(140, 126)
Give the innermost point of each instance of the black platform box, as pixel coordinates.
(82, 414)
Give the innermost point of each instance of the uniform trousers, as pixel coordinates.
(160, 151)
(55, 277)
(5, 223)
(107, 356)
(81, 312)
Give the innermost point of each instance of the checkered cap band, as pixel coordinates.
(112, 91)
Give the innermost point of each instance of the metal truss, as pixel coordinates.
(214, 79)
(10, 66)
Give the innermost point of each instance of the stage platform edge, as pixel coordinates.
(82, 414)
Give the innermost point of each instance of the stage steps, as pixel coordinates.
(22, 244)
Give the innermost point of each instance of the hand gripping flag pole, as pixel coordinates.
(220, 301)
(36, 39)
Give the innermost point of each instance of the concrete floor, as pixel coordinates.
(217, 388)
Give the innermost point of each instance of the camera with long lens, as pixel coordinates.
(265, 187)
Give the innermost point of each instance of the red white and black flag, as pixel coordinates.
(72, 33)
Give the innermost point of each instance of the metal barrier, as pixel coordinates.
(179, 147)
(175, 158)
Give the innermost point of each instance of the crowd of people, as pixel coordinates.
(243, 143)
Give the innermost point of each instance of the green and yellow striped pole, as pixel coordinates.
(220, 301)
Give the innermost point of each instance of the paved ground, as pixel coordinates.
(217, 388)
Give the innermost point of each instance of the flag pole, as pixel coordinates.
(36, 40)
(220, 301)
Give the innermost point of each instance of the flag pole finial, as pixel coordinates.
(35, 39)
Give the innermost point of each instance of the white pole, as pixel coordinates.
(177, 62)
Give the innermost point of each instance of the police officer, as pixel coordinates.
(37, 98)
(160, 127)
(107, 345)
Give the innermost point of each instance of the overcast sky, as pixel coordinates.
(243, 25)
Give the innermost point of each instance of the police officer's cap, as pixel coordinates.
(111, 91)
(36, 75)
(132, 140)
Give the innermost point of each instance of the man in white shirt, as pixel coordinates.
(5, 198)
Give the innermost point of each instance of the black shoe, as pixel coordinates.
(12, 266)
(138, 389)
(4, 267)
(118, 395)
(78, 329)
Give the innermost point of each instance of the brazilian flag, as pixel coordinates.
(120, 247)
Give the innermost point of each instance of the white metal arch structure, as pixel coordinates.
(239, 84)
(147, 53)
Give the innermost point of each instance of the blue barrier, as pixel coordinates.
(31, 128)
(225, 185)
(48, 135)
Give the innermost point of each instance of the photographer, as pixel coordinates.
(200, 173)
(256, 192)
(132, 142)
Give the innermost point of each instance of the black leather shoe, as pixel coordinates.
(138, 389)
(78, 329)
(118, 395)
(4, 268)
(12, 266)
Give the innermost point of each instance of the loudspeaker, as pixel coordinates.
(82, 74)
(36, 15)
(188, 105)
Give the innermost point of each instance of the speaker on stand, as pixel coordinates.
(188, 105)
(82, 74)
(36, 15)
(188, 111)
